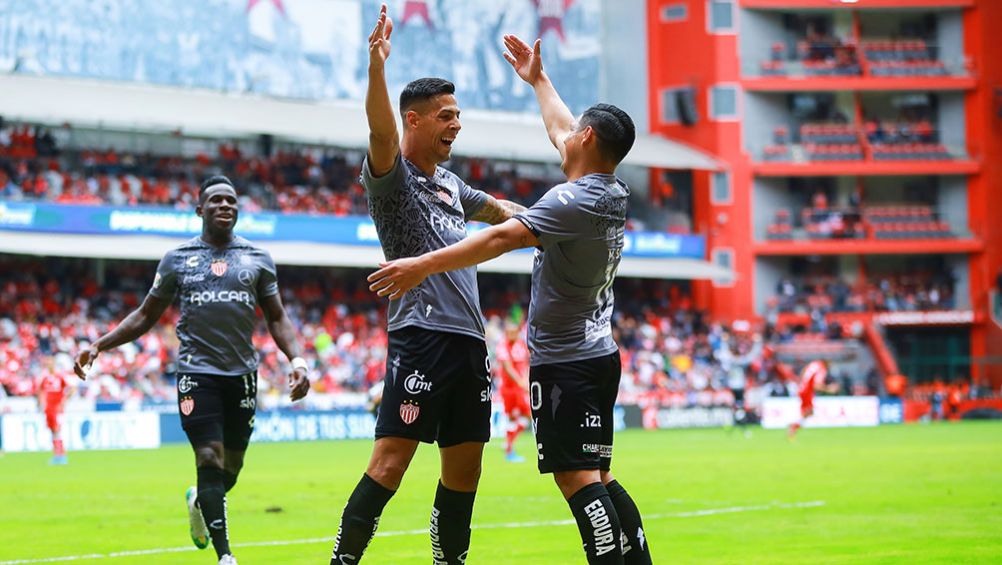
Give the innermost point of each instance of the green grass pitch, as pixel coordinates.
(896, 494)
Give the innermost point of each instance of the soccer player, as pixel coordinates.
(437, 382)
(578, 229)
(512, 357)
(812, 377)
(222, 279)
(52, 391)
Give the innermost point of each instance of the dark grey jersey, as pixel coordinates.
(414, 215)
(580, 228)
(219, 291)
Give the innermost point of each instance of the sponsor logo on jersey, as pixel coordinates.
(187, 405)
(414, 383)
(157, 280)
(185, 384)
(197, 277)
(219, 267)
(604, 537)
(249, 403)
(213, 296)
(409, 411)
(192, 261)
(245, 277)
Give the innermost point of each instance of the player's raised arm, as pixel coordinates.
(528, 64)
(394, 278)
(138, 322)
(384, 140)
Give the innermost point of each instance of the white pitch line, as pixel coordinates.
(503, 525)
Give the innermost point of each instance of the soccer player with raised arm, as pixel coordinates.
(437, 381)
(577, 228)
(220, 279)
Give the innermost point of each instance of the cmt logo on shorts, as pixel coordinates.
(602, 450)
(223, 296)
(415, 383)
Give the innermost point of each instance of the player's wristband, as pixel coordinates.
(300, 363)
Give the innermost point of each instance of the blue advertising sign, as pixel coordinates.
(892, 411)
(265, 226)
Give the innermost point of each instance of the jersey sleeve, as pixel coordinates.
(390, 182)
(165, 281)
(267, 280)
(471, 199)
(556, 217)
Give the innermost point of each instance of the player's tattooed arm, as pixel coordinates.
(282, 331)
(496, 211)
(394, 278)
(137, 323)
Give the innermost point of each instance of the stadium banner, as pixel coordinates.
(97, 430)
(659, 418)
(892, 411)
(290, 425)
(267, 226)
(829, 412)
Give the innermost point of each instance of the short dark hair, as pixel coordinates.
(615, 130)
(422, 90)
(213, 181)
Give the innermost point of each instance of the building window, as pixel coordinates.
(720, 188)
(720, 15)
(669, 106)
(674, 13)
(723, 257)
(724, 102)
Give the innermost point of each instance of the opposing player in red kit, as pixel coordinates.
(52, 387)
(812, 377)
(512, 358)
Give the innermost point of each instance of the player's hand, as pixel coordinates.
(299, 384)
(527, 61)
(84, 361)
(379, 39)
(394, 278)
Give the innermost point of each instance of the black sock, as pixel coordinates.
(212, 502)
(450, 525)
(229, 479)
(635, 550)
(598, 524)
(359, 520)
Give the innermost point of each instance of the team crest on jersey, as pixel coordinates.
(219, 267)
(409, 411)
(187, 405)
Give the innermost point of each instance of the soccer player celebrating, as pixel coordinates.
(437, 382)
(812, 377)
(221, 279)
(52, 391)
(512, 356)
(578, 229)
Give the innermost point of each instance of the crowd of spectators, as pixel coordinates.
(300, 179)
(901, 293)
(671, 353)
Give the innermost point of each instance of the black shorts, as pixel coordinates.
(572, 413)
(437, 387)
(216, 408)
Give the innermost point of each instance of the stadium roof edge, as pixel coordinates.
(199, 112)
(152, 248)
